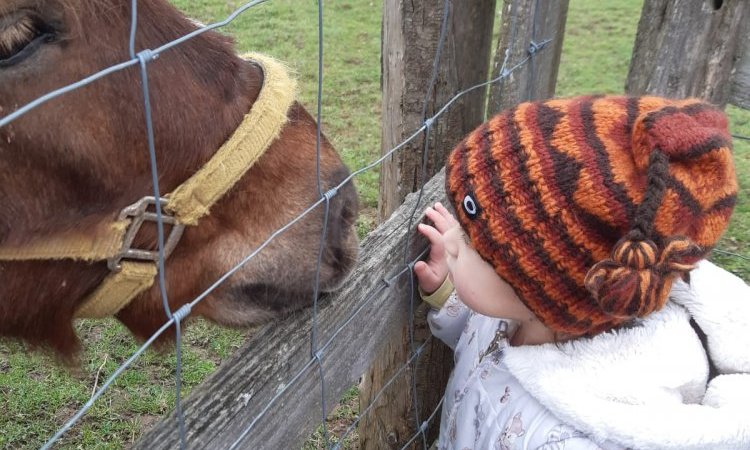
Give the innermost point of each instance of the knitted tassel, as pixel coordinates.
(635, 281)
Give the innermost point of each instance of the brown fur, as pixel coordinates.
(78, 160)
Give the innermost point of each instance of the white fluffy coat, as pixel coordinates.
(643, 387)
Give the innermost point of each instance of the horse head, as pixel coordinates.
(74, 163)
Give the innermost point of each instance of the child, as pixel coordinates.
(576, 261)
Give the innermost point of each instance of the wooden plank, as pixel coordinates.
(218, 411)
(410, 39)
(472, 26)
(686, 48)
(522, 24)
(740, 94)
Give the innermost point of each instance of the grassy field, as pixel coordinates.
(36, 397)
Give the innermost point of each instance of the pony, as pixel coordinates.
(76, 161)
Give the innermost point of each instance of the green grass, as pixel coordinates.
(287, 30)
(599, 37)
(337, 424)
(737, 239)
(36, 396)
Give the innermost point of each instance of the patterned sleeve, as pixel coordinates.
(564, 437)
(448, 322)
(573, 443)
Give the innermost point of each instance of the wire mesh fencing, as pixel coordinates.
(174, 319)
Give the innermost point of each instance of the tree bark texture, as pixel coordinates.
(410, 41)
(688, 48)
(740, 95)
(526, 26)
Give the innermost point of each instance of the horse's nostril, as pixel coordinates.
(350, 200)
(338, 257)
(349, 213)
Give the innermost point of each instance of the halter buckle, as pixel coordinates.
(138, 213)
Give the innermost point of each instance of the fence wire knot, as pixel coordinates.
(147, 56)
(428, 122)
(181, 313)
(330, 194)
(318, 356)
(535, 47)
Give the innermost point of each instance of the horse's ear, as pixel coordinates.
(198, 25)
(255, 73)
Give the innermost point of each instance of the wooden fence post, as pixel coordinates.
(525, 23)
(687, 48)
(410, 39)
(740, 95)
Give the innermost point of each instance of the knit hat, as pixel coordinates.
(591, 207)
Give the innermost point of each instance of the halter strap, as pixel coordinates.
(134, 270)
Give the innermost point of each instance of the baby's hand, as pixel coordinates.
(432, 274)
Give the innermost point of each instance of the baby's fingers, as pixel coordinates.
(433, 235)
(441, 224)
(447, 217)
(441, 217)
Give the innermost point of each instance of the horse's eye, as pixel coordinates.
(470, 206)
(19, 38)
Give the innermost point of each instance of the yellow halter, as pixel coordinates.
(133, 270)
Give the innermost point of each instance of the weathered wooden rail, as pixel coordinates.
(219, 410)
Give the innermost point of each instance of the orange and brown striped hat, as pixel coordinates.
(590, 207)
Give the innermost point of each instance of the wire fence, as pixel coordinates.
(174, 318)
(318, 348)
